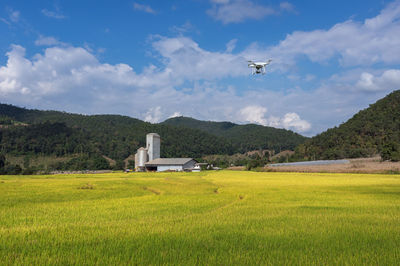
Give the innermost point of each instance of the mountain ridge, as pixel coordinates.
(255, 137)
(369, 132)
(117, 136)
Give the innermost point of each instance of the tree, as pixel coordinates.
(2, 161)
(391, 151)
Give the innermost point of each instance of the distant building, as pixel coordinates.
(148, 159)
(170, 164)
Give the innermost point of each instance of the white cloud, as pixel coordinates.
(257, 114)
(286, 6)
(184, 28)
(253, 114)
(153, 115)
(5, 21)
(309, 77)
(144, 8)
(220, 1)
(388, 80)
(231, 45)
(186, 60)
(235, 11)
(53, 14)
(14, 16)
(293, 121)
(175, 114)
(47, 41)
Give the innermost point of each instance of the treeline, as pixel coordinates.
(251, 160)
(78, 162)
(372, 131)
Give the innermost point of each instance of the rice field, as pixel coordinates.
(206, 218)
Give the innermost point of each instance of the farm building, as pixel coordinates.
(171, 164)
(148, 159)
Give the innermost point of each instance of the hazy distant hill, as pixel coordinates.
(365, 134)
(24, 131)
(244, 137)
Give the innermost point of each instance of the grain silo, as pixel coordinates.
(153, 143)
(140, 159)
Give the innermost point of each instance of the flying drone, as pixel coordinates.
(258, 67)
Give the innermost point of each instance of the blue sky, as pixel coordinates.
(156, 59)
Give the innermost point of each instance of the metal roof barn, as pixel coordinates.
(170, 164)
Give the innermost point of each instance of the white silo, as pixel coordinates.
(153, 143)
(140, 159)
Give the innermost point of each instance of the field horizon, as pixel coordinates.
(224, 218)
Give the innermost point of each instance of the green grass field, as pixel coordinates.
(224, 218)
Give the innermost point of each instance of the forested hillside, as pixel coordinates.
(243, 137)
(25, 132)
(375, 130)
(58, 133)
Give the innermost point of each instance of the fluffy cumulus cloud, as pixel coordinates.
(293, 121)
(153, 115)
(253, 114)
(258, 114)
(186, 60)
(389, 79)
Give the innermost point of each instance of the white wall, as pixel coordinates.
(169, 167)
(189, 164)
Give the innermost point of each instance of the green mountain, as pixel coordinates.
(371, 131)
(243, 137)
(35, 132)
(115, 136)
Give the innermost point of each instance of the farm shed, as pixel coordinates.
(170, 164)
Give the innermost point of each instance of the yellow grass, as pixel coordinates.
(222, 218)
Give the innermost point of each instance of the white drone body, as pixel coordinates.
(258, 67)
